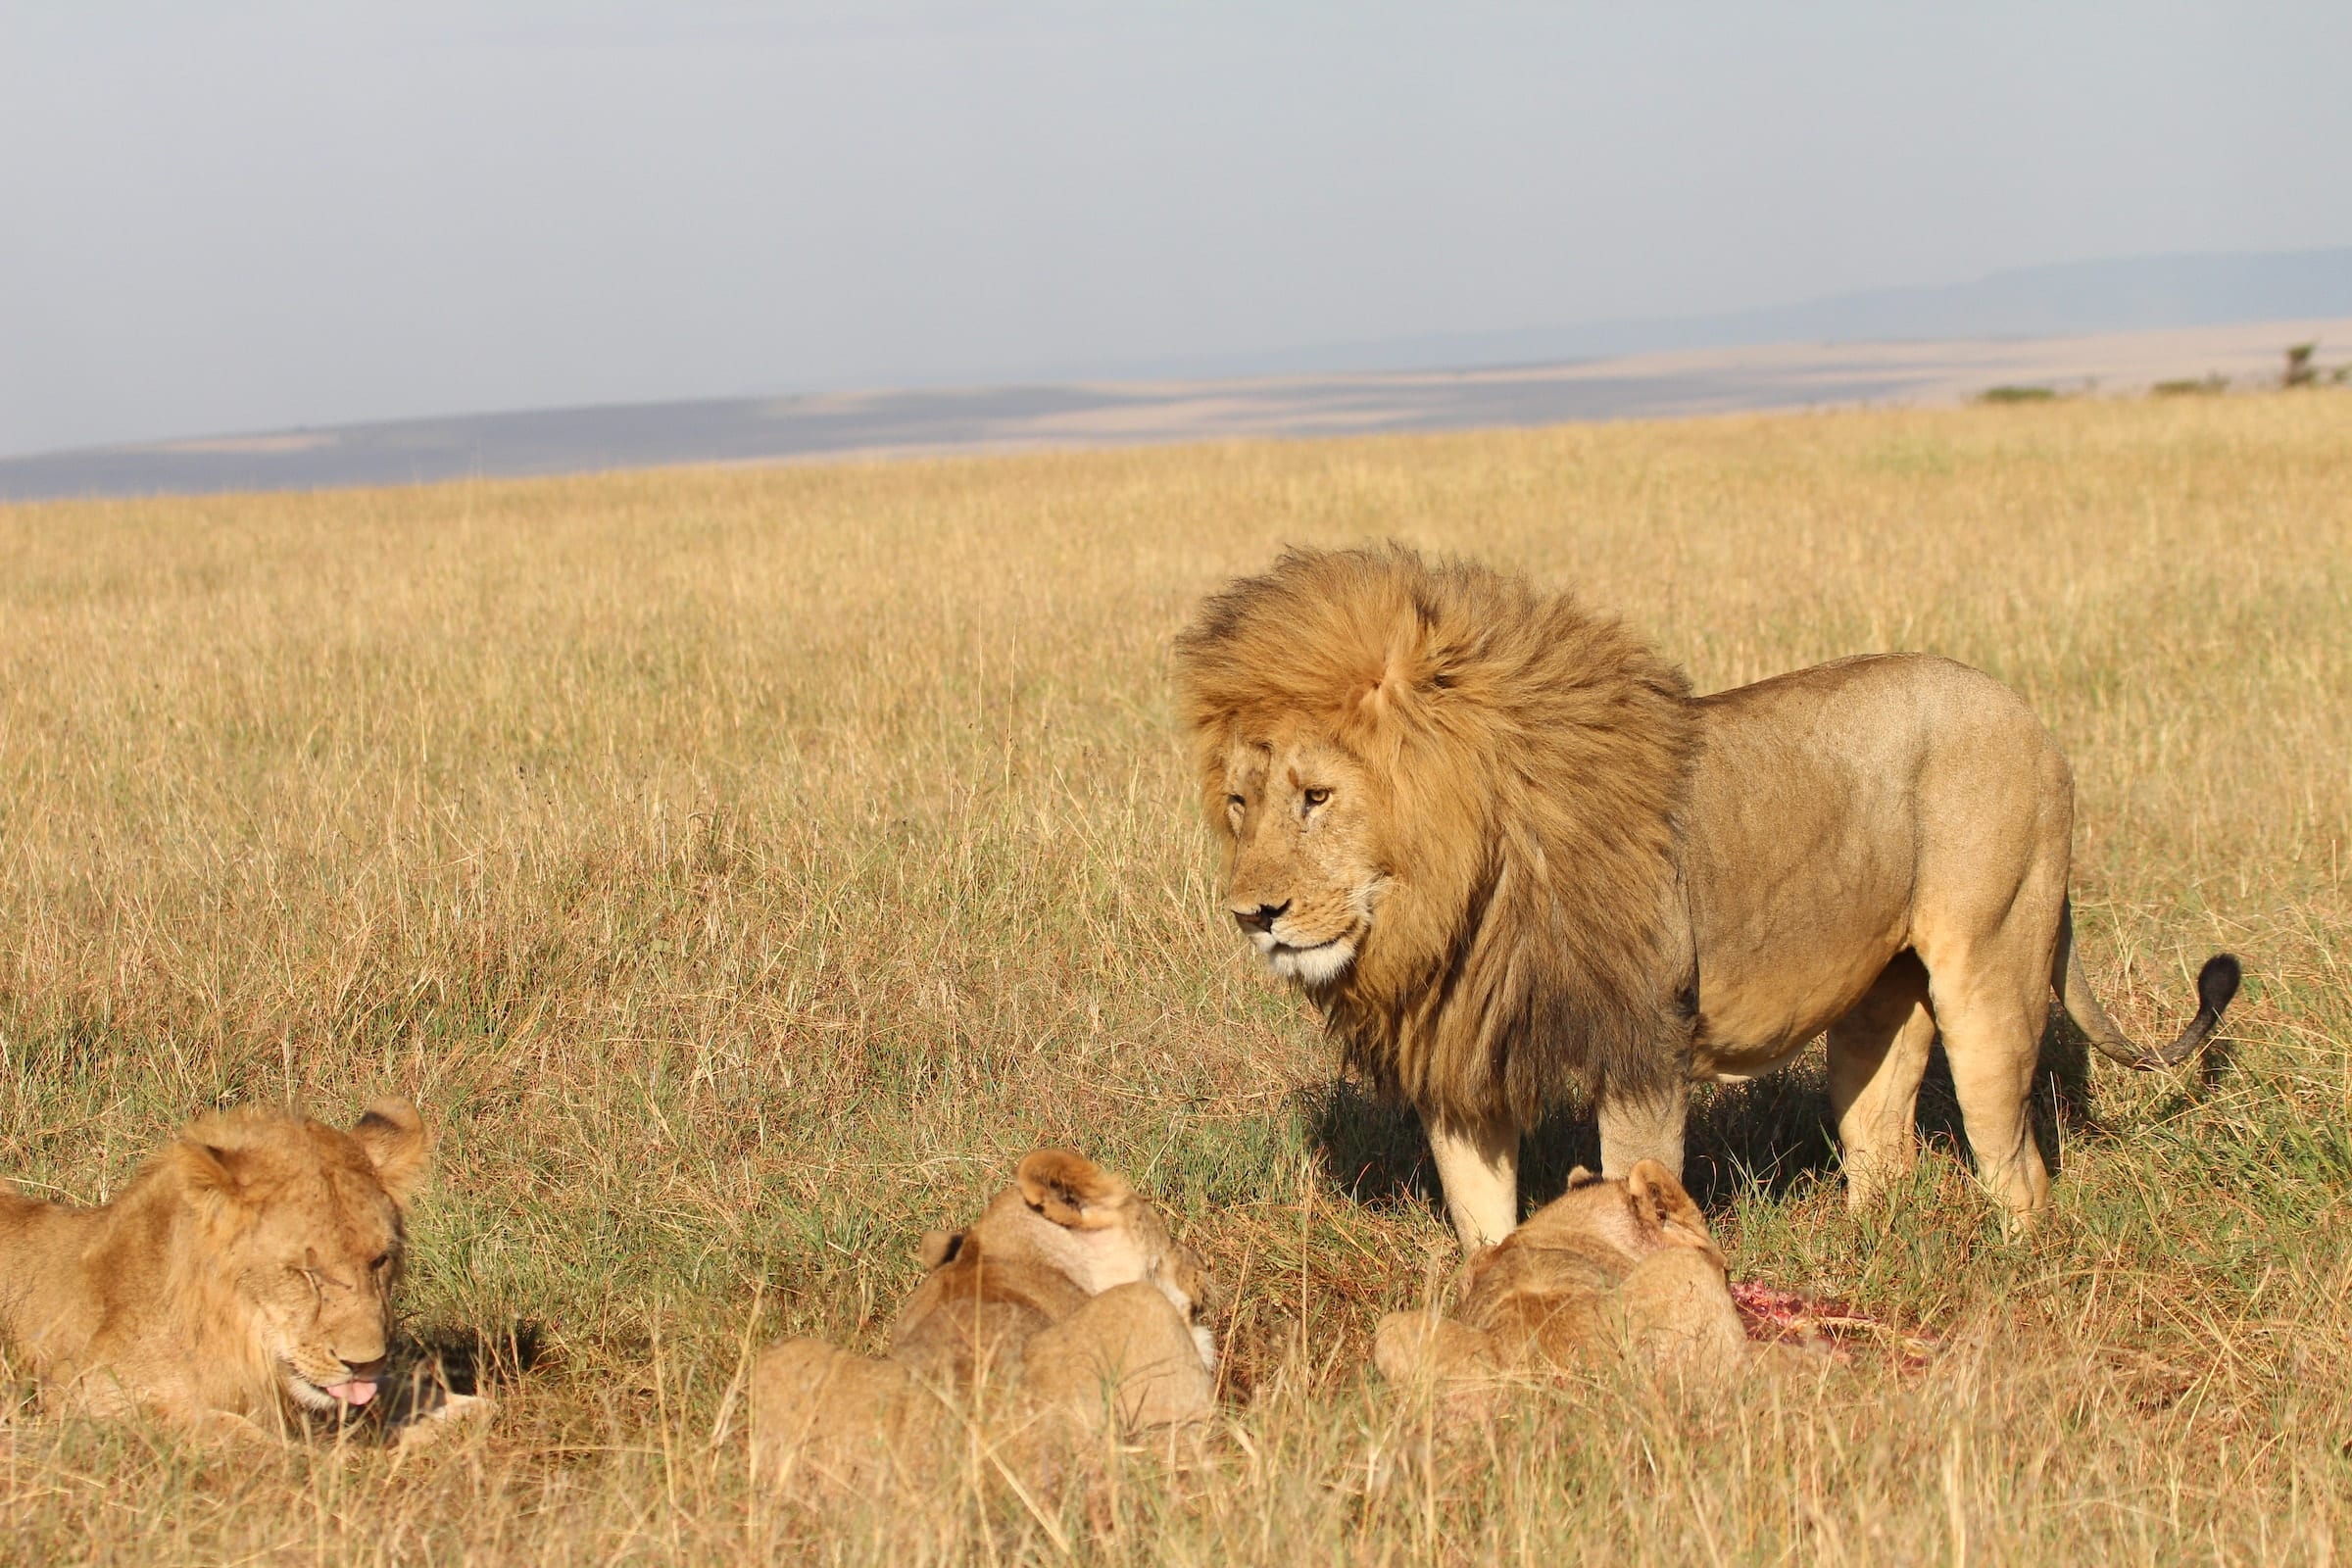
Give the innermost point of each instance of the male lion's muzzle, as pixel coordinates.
(1258, 918)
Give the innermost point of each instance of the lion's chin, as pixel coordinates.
(1318, 966)
(310, 1396)
(349, 1393)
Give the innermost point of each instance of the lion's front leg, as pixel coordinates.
(1639, 1127)
(1478, 1165)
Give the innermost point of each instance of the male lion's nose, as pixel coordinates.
(1262, 917)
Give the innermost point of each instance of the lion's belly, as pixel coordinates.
(1801, 853)
(1758, 1020)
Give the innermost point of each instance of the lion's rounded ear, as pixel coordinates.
(940, 1247)
(1581, 1176)
(1660, 1203)
(205, 1170)
(393, 1137)
(1069, 1189)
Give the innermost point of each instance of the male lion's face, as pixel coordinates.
(314, 1241)
(1305, 880)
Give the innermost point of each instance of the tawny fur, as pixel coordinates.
(1609, 1273)
(1505, 851)
(245, 1272)
(1065, 1307)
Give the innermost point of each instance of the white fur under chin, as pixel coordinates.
(1310, 967)
(307, 1393)
(1322, 962)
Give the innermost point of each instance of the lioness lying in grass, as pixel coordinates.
(1610, 1269)
(1066, 1308)
(245, 1274)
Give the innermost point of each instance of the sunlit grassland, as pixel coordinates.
(744, 866)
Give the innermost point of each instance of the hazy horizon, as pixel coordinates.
(274, 216)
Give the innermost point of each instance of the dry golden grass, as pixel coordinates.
(744, 866)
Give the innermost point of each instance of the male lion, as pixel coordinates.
(245, 1271)
(1066, 1307)
(1502, 847)
(1609, 1269)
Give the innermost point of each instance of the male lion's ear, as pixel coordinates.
(940, 1247)
(1071, 1190)
(394, 1139)
(1663, 1207)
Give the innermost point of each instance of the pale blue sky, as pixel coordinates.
(304, 214)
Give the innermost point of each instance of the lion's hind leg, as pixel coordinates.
(1992, 1003)
(1878, 1055)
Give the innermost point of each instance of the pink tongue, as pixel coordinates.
(354, 1392)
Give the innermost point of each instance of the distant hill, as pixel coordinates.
(2124, 323)
(2134, 294)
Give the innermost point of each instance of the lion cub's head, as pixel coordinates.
(1066, 1309)
(1612, 1267)
(1615, 1223)
(1065, 1231)
(296, 1244)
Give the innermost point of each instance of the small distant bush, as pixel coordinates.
(2200, 386)
(2018, 394)
(2300, 372)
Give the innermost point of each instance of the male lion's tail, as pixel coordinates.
(2217, 985)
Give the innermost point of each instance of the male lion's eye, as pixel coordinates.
(1315, 798)
(380, 1262)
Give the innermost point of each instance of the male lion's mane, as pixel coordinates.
(1536, 760)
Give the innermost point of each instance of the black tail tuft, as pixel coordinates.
(2217, 985)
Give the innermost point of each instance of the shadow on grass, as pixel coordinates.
(435, 1364)
(1763, 1137)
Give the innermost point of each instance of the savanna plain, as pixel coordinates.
(744, 867)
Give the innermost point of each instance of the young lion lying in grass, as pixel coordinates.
(246, 1273)
(1066, 1308)
(1610, 1269)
